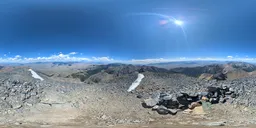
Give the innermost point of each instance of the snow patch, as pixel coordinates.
(35, 75)
(136, 83)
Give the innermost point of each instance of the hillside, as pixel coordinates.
(101, 99)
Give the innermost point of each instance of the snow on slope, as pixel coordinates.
(35, 75)
(136, 83)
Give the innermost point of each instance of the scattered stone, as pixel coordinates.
(17, 106)
(233, 95)
(103, 117)
(211, 124)
(136, 121)
(139, 96)
(17, 123)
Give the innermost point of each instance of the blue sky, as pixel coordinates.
(120, 30)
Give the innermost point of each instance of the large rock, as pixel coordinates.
(173, 111)
(149, 103)
(162, 110)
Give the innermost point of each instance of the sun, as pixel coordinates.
(178, 22)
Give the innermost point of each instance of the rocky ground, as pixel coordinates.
(101, 99)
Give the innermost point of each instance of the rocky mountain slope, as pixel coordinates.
(101, 97)
(158, 79)
(233, 70)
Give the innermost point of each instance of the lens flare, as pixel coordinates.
(178, 22)
(168, 19)
(163, 22)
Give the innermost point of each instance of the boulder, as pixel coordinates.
(162, 110)
(173, 111)
(149, 103)
(194, 104)
(155, 107)
(168, 97)
(172, 104)
(183, 100)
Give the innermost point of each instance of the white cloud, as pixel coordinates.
(5, 55)
(71, 57)
(73, 53)
(102, 59)
(161, 60)
(230, 57)
(57, 57)
(17, 56)
(155, 60)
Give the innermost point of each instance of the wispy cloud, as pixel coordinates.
(162, 60)
(102, 59)
(73, 57)
(56, 57)
(230, 57)
(73, 53)
(17, 56)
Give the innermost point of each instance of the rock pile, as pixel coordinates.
(16, 94)
(165, 103)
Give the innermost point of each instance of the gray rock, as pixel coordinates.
(156, 96)
(136, 121)
(104, 117)
(3, 98)
(150, 102)
(173, 111)
(233, 95)
(228, 93)
(4, 105)
(139, 96)
(17, 106)
(222, 100)
(211, 124)
(162, 110)
(17, 123)
(155, 107)
(168, 97)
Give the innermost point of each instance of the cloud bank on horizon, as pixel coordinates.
(71, 57)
